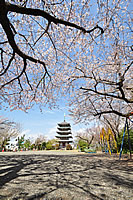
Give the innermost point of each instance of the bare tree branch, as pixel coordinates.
(17, 77)
(47, 16)
(108, 94)
(10, 61)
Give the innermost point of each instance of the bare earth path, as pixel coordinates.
(63, 175)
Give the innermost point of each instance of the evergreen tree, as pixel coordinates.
(125, 143)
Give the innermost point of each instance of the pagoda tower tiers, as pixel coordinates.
(64, 134)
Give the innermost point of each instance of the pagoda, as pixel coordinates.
(64, 134)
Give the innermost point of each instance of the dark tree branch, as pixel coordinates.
(17, 77)
(2, 62)
(47, 16)
(89, 143)
(10, 61)
(13, 28)
(4, 42)
(70, 11)
(115, 130)
(85, 139)
(107, 94)
(127, 68)
(28, 80)
(82, 72)
(46, 31)
(39, 84)
(20, 84)
(93, 106)
(6, 26)
(53, 45)
(110, 111)
(26, 40)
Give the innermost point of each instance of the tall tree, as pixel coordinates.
(8, 130)
(89, 135)
(37, 40)
(103, 80)
(50, 48)
(39, 141)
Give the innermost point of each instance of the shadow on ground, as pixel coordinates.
(66, 177)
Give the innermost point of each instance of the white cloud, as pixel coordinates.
(30, 135)
(51, 133)
(49, 111)
(25, 132)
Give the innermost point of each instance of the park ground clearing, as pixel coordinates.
(65, 175)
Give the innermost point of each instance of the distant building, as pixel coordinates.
(64, 135)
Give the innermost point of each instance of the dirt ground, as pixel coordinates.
(64, 175)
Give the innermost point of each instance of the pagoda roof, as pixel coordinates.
(64, 127)
(64, 131)
(61, 136)
(65, 140)
(64, 124)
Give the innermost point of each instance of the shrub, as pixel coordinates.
(82, 145)
(68, 147)
(56, 146)
(49, 146)
(32, 146)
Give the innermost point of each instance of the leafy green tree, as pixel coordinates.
(82, 145)
(50, 145)
(32, 146)
(43, 145)
(5, 142)
(21, 142)
(125, 143)
(86, 137)
(27, 144)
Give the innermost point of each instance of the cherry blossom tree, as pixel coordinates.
(114, 122)
(90, 135)
(86, 135)
(8, 130)
(39, 141)
(82, 48)
(105, 80)
(37, 40)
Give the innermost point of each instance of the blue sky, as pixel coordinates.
(35, 123)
